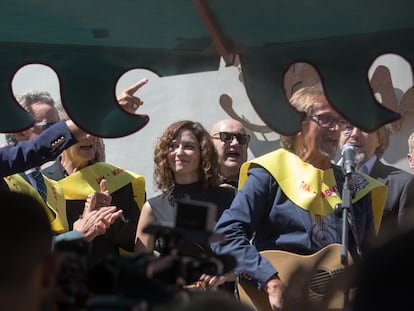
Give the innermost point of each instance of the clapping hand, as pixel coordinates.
(102, 198)
(95, 220)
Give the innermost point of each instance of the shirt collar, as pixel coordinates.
(369, 164)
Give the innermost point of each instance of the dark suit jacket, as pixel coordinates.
(35, 152)
(400, 198)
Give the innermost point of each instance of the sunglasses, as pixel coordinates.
(226, 137)
(44, 123)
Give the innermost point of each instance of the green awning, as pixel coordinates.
(91, 43)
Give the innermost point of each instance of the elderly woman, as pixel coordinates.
(79, 173)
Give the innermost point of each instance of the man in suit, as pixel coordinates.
(41, 107)
(370, 147)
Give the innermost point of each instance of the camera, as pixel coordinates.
(122, 282)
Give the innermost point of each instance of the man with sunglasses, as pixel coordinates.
(370, 148)
(42, 108)
(287, 201)
(231, 141)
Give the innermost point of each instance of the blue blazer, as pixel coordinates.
(35, 152)
(262, 217)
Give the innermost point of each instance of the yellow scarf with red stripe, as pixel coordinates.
(313, 189)
(86, 181)
(55, 205)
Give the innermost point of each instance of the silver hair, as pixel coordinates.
(27, 99)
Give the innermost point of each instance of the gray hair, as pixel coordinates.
(27, 99)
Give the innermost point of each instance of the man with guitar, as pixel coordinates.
(287, 200)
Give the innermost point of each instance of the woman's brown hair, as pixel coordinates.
(209, 165)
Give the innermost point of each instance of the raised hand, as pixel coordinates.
(128, 100)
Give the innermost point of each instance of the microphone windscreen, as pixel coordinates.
(347, 148)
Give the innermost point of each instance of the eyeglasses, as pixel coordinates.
(44, 123)
(226, 137)
(328, 121)
(348, 129)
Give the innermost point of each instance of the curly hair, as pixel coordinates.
(303, 101)
(209, 165)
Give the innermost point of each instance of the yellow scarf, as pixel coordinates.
(86, 181)
(55, 205)
(313, 189)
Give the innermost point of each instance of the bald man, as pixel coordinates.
(231, 141)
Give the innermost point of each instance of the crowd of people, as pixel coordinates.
(295, 204)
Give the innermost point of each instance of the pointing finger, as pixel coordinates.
(135, 87)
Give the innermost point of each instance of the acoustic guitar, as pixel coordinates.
(325, 266)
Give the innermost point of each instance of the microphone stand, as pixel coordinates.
(345, 207)
(343, 211)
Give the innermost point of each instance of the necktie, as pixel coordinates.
(40, 182)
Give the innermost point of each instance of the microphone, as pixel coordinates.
(349, 154)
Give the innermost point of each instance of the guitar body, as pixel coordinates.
(324, 266)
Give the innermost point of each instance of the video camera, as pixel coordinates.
(121, 282)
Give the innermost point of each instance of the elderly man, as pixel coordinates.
(370, 147)
(287, 202)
